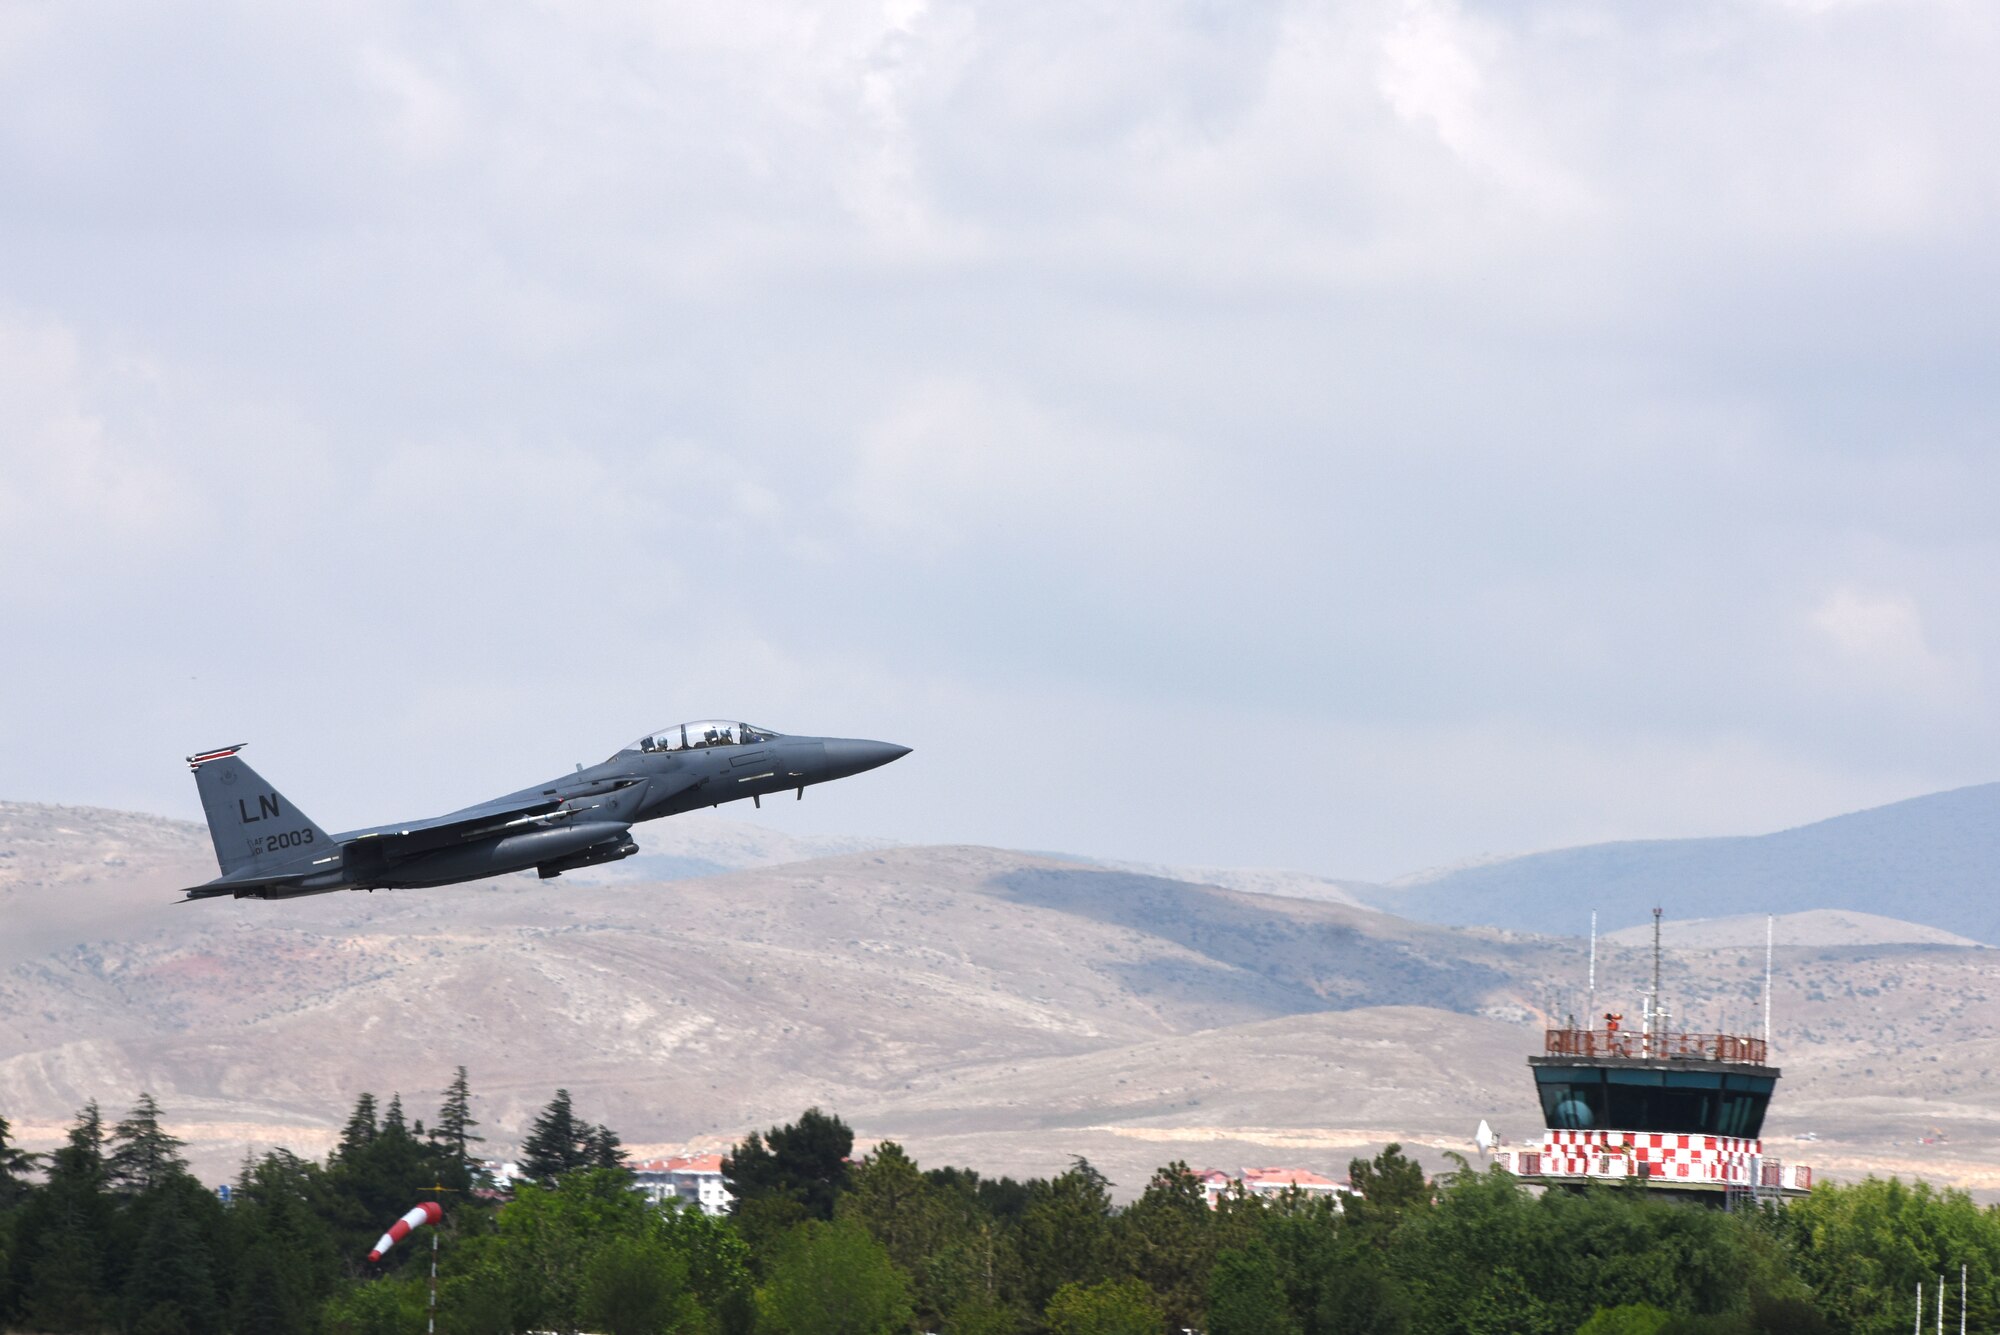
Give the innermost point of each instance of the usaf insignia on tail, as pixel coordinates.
(269, 849)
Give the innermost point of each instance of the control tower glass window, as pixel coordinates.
(1702, 1103)
(1744, 1098)
(1572, 1104)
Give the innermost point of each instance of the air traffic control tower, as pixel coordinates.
(1666, 1111)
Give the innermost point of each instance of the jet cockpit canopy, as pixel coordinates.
(708, 732)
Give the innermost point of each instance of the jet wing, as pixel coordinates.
(529, 806)
(421, 836)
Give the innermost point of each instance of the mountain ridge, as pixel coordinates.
(982, 1006)
(1935, 857)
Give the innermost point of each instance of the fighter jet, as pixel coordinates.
(269, 849)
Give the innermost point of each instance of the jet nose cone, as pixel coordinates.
(845, 756)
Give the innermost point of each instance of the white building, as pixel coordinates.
(504, 1172)
(1215, 1184)
(695, 1178)
(1269, 1183)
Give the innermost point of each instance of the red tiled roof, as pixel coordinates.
(1254, 1177)
(696, 1163)
(681, 1163)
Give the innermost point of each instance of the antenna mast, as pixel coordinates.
(1653, 1003)
(1590, 1011)
(1770, 926)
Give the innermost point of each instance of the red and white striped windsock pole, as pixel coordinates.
(427, 1213)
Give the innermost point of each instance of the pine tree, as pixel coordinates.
(284, 1259)
(377, 1166)
(86, 1138)
(454, 1120)
(15, 1166)
(805, 1162)
(171, 1286)
(603, 1149)
(555, 1142)
(143, 1154)
(1167, 1238)
(1064, 1236)
(360, 1131)
(268, 1296)
(64, 1281)
(66, 1268)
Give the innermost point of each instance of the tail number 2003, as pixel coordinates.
(271, 843)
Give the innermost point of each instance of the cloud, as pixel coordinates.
(952, 463)
(1438, 69)
(423, 118)
(1518, 415)
(1877, 642)
(80, 498)
(1873, 628)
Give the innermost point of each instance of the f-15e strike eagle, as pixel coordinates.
(268, 849)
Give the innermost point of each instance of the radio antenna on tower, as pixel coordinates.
(1653, 1002)
(1770, 927)
(1590, 1010)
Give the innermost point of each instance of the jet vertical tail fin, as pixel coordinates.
(254, 828)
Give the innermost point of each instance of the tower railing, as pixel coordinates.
(1667, 1047)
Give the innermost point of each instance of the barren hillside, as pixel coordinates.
(987, 1007)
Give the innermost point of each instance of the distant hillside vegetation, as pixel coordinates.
(1933, 860)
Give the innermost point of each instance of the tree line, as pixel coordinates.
(111, 1233)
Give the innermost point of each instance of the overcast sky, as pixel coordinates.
(1350, 436)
